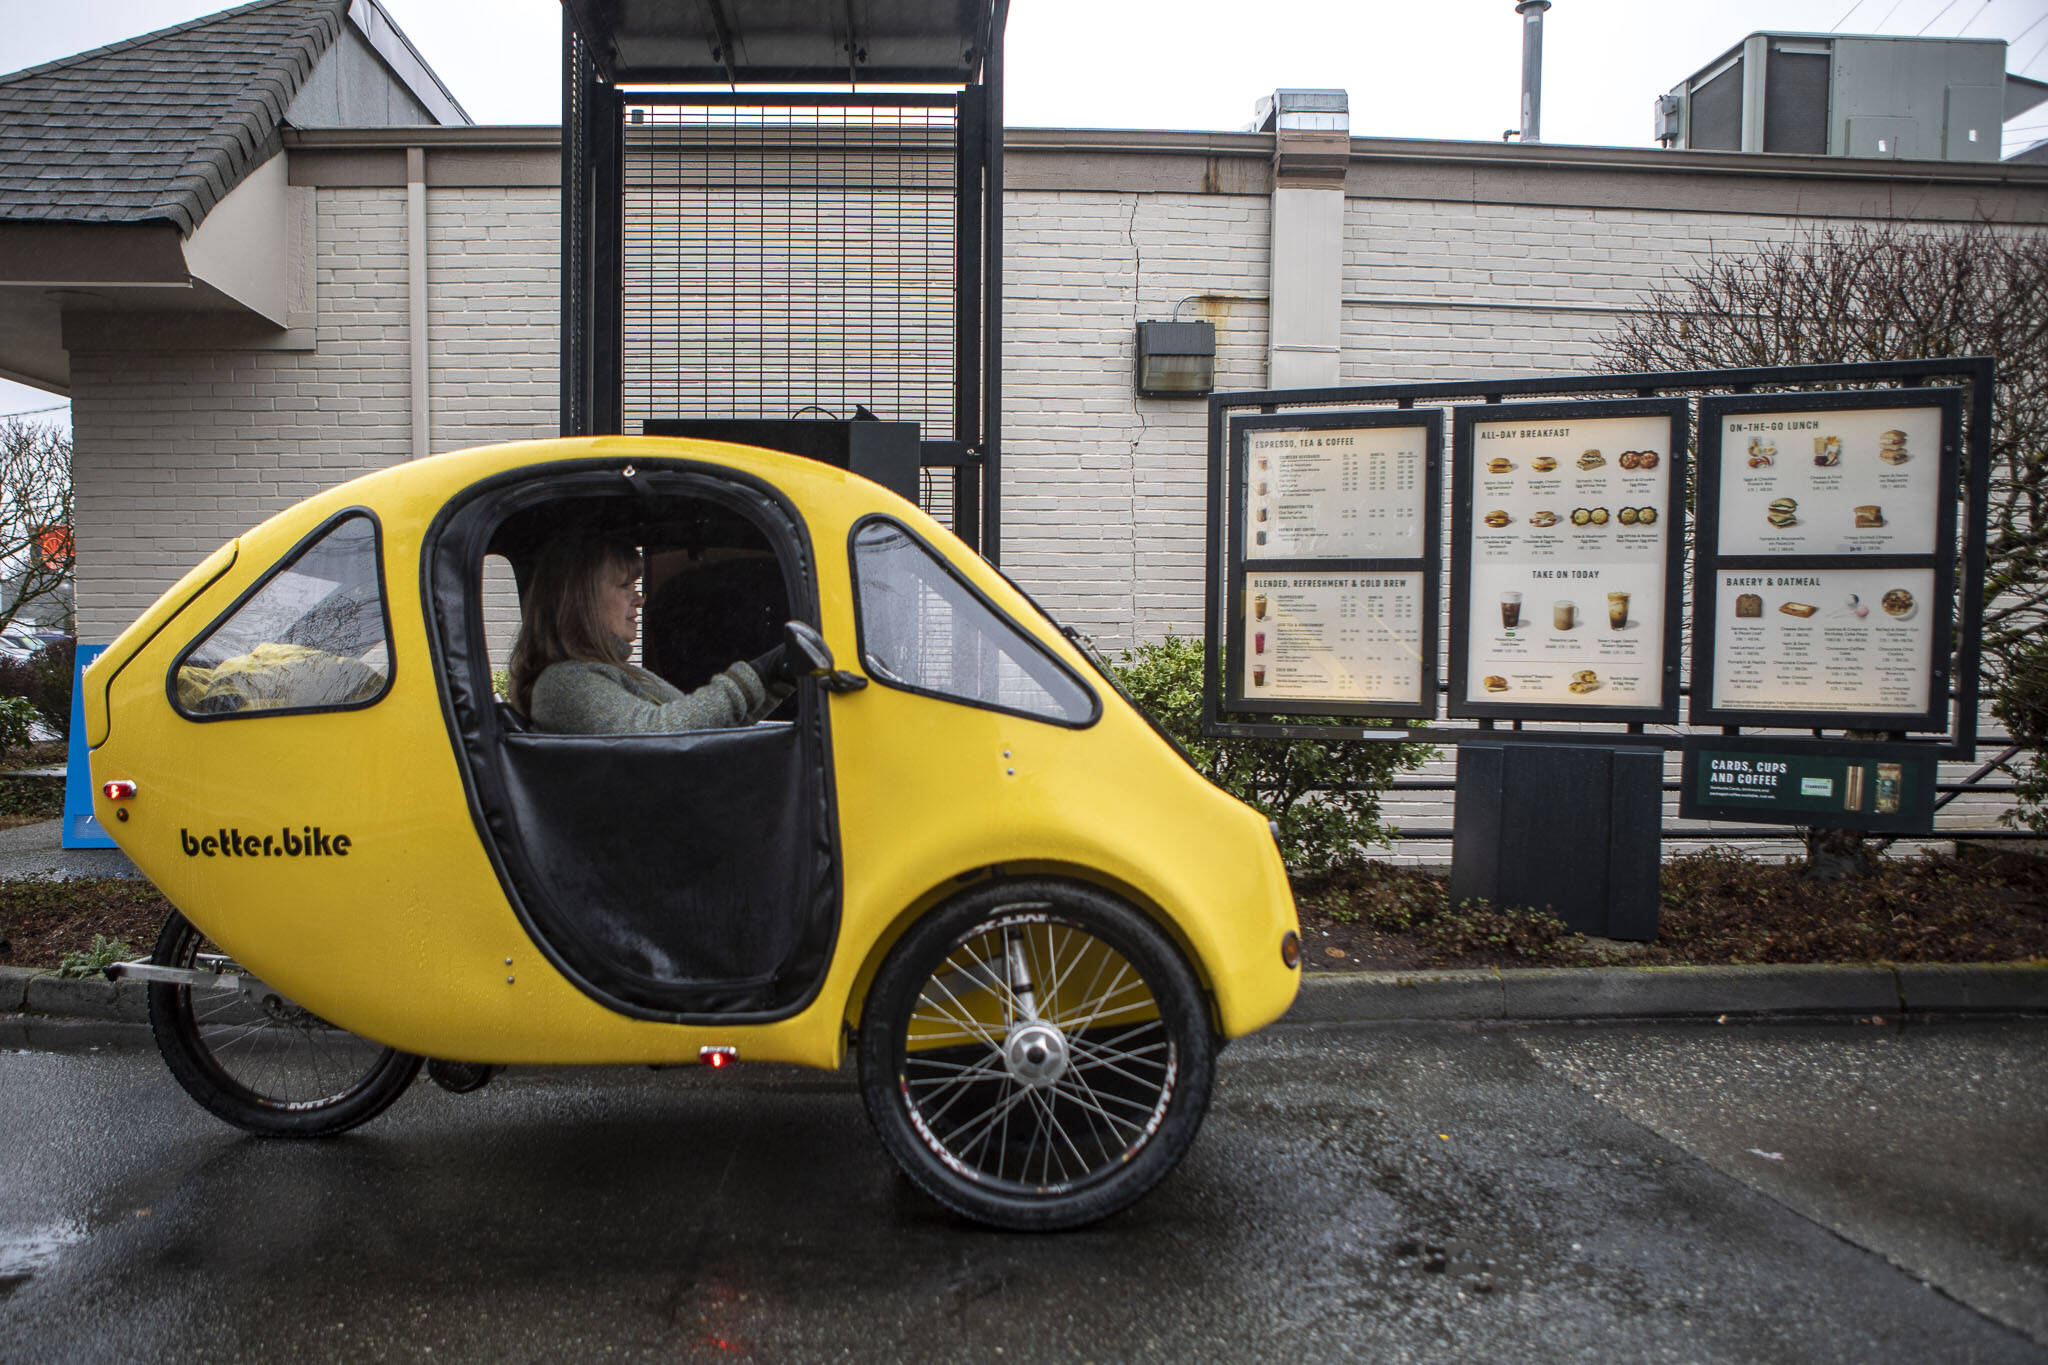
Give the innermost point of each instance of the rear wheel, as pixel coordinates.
(1036, 1055)
(257, 1060)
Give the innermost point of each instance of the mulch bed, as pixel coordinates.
(1718, 907)
(41, 920)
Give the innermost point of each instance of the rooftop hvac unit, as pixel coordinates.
(1928, 99)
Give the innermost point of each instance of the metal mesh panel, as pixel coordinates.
(785, 257)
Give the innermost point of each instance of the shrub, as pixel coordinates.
(44, 681)
(17, 714)
(2023, 707)
(1324, 795)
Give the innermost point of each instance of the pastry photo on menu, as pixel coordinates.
(1497, 518)
(1543, 464)
(1891, 447)
(1584, 681)
(1800, 609)
(1496, 683)
(1762, 454)
(1827, 451)
(1869, 516)
(1749, 605)
(1500, 464)
(1898, 604)
(1592, 459)
(1544, 518)
(1783, 513)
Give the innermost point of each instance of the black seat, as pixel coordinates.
(510, 720)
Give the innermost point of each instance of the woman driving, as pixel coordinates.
(571, 669)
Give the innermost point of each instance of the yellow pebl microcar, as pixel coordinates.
(956, 848)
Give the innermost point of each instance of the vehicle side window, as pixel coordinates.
(924, 629)
(311, 637)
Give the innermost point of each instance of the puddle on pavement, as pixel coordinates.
(27, 1252)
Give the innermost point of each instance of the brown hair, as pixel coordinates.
(561, 619)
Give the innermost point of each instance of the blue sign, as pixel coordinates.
(81, 827)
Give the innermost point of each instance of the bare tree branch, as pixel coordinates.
(36, 554)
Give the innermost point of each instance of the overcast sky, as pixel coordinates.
(1444, 69)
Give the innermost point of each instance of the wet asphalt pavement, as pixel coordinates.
(1759, 1192)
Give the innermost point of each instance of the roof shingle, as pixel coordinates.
(161, 126)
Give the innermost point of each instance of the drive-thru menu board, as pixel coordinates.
(1325, 636)
(1825, 560)
(1333, 563)
(1833, 640)
(1335, 493)
(1566, 543)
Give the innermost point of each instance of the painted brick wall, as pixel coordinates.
(177, 451)
(1103, 501)
(493, 314)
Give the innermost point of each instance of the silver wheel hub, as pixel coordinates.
(1035, 1053)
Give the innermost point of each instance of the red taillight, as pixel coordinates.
(717, 1056)
(119, 791)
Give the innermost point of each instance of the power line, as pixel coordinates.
(1973, 18)
(2025, 31)
(31, 412)
(1845, 18)
(1937, 17)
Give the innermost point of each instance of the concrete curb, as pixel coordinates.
(1519, 994)
(1670, 992)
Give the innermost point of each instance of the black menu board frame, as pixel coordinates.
(1710, 564)
(1425, 567)
(1464, 482)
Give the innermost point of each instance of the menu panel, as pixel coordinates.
(1825, 640)
(1335, 493)
(1568, 553)
(1342, 636)
(1830, 482)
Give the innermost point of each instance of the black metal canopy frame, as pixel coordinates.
(828, 150)
(1974, 374)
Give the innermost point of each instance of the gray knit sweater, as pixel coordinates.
(581, 697)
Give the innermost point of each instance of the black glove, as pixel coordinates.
(776, 668)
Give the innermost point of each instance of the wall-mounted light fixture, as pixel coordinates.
(1176, 359)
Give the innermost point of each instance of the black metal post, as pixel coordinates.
(992, 298)
(969, 198)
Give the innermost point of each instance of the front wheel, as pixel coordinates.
(1036, 1055)
(257, 1060)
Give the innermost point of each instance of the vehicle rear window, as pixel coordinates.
(312, 636)
(925, 629)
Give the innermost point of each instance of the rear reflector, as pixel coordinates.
(1290, 948)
